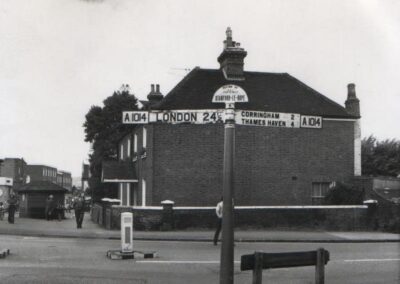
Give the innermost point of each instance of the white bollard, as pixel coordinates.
(126, 232)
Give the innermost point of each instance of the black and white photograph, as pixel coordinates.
(179, 142)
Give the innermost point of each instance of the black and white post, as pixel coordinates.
(227, 254)
(228, 94)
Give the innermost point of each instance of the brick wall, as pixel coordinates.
(14, 168)
(274, 166)
(347, 218)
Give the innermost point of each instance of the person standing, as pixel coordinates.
(2, 211)
(60, 210)
(218, 211)
(79, 208)
(12, 206)
(48, 210)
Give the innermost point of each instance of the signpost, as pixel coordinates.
(228, 94)
(206, 116)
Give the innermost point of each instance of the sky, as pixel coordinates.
(60, 57)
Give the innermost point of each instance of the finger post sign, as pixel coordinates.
(228, 94)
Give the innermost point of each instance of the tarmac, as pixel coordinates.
(67, 229)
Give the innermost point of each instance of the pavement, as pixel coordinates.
(67, 229)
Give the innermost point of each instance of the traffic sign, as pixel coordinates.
(202, 116)
(272, 119)
(230, 94)
(135, 117)
(308, 121)
(207, 116)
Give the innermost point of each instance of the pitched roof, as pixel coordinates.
(118, 171)
(272, 92)
(41, 186)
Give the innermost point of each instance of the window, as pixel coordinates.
(120, 193)
(144, 137)
(121, 154)
(128, 193)
(134, 202)
(135, 143)
(319, 191)
(143, 193)
(129, 148)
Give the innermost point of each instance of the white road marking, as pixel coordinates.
(238, 261)
(371, 260)
(183, 261)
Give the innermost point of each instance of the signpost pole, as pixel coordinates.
(227, 255)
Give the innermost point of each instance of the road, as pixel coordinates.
(67, 260)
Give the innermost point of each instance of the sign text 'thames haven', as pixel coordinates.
(242, 117)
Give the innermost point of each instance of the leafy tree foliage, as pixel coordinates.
(344, 194)
(103, 129)
(380, 158)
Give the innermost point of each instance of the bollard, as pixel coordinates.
(126, 232)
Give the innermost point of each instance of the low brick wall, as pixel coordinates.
(346, 218)
(303, 217)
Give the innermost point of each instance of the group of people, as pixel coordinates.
(53, 209)
(12, 207)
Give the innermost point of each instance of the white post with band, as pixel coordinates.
(228, 94)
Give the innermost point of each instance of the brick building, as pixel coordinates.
(274, 165)
(14, 168)
(64, 179)
(41, 173)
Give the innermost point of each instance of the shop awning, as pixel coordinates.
(118, 171)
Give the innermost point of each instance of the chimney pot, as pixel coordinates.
(352, 103)
(232, 58)
(152, 88)
(157, 88)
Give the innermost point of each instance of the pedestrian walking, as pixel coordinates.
(60, 210)
(79, 208)
(49, 208)
(12, 206)
(218, 211)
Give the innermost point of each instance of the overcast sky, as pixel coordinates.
(59, 57)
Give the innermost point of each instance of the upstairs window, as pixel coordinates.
(144, 137)
(121, 152)
(129, 148)
(135, 143)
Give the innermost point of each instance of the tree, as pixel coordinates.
(344, 194)
(103, 129)
(380, 158)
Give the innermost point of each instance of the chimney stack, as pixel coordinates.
(232, 58)
(352, 103)
(155, 95)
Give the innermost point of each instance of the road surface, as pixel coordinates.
(66, 260)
